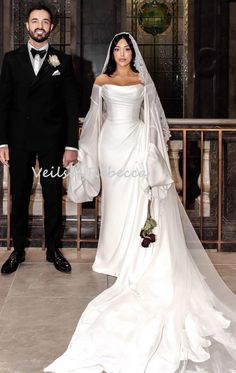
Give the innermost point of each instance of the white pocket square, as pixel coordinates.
(57, 72)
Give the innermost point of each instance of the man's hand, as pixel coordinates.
(70, 156)
(4, 155)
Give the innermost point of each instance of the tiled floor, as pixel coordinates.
(40, 307)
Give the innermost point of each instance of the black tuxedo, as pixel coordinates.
(38, 118)
(37, 112)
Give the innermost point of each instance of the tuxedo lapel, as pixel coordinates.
(24, 59)
(46, 69)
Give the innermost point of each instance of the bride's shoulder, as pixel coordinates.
(102, 79)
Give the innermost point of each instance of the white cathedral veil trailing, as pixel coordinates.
(172, 314)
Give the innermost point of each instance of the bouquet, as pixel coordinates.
(147, 231)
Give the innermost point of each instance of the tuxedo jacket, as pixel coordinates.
(38, 112)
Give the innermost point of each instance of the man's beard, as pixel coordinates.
(39, 39)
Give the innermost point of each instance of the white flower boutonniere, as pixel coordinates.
(53, 60)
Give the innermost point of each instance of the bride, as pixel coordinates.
(168, 311)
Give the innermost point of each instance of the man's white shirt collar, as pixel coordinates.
(45, 47)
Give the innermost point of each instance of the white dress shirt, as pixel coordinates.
(37, 61)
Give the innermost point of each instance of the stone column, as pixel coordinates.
(206, 184)
(175, 146)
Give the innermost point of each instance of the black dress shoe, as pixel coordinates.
(60, 263)
(11, 264)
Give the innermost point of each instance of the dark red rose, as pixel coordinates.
(152, 237)
(146, 242)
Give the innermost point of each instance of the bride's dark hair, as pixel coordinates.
(111, 65)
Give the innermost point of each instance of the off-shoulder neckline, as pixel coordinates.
(116, 85)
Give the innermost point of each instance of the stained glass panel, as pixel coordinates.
(163, 52)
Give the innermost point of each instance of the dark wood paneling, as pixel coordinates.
(1, 31)
(98, 22)
(211, 58)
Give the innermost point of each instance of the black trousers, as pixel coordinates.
(22, 164)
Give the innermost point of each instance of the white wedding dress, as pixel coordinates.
(121, 153)
(161, 315)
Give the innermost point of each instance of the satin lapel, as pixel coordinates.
(24, 60)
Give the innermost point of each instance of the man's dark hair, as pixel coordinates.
(41, 5)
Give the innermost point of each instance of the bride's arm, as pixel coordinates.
(84, 177)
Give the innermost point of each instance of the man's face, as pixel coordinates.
(39, 25)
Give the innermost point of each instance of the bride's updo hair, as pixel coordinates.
(111, 65)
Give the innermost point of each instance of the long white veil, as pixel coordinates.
(198, 320)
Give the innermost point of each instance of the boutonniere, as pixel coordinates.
(53, 60)
(147, 231)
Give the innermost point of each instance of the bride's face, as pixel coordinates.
(122, 53)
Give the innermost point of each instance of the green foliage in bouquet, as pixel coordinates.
(149, 225)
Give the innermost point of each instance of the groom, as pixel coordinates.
(38, 119)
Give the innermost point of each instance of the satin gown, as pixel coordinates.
(121, 151)
(159, 316)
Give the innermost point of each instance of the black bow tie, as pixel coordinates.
(40, 53)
